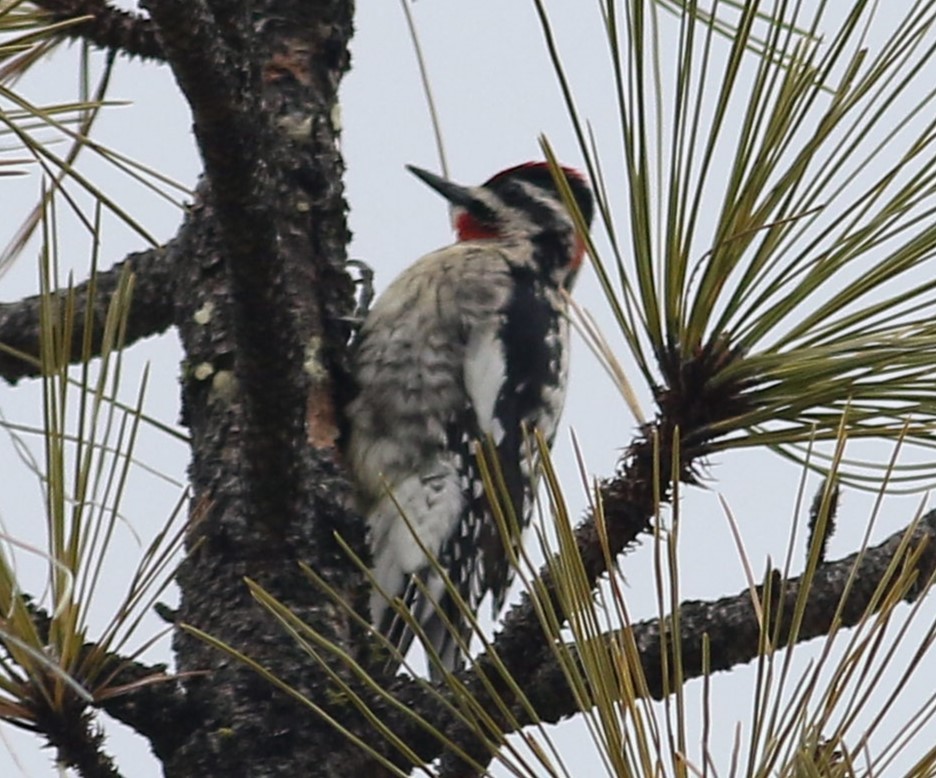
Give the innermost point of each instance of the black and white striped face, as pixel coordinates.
(521, 203)
(525, 201)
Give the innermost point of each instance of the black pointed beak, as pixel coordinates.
(454, 193)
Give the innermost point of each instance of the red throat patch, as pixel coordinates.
(469, 228)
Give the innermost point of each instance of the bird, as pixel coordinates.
(468, 344)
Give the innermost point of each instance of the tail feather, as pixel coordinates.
(438, 634)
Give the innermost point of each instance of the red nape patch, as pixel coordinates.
(469, 228)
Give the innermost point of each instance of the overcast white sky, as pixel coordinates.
(496, 92)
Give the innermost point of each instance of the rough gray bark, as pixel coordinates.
(152, 313)
(261, 258)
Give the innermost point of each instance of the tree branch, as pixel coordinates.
(730, 624)
(152, 703)
(111, 27)
(78, 743)
(733, 627)
(150, 313)
(142, 696)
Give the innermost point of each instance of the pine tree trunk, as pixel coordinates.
(259, 296)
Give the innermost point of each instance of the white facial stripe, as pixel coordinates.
(517, 221)
(552, 201)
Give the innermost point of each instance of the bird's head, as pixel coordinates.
(521, 202)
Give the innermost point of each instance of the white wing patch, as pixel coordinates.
(485, 374)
